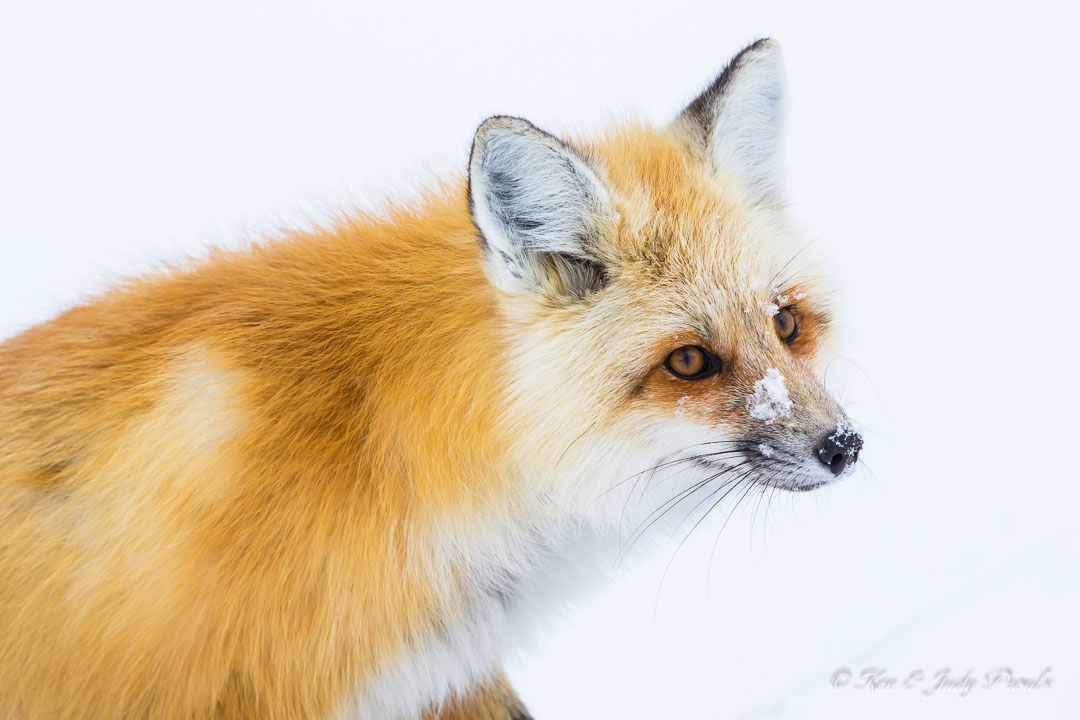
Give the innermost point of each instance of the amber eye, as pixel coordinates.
(692, 363)
(786, 327)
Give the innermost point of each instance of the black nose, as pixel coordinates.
(840, 450)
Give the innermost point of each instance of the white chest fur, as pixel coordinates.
(511, 594)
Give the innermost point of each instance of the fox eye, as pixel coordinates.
(786, 327)
(691, 362)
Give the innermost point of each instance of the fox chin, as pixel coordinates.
(346, 471)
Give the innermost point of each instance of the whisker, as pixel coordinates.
(663, 464)
(719, 534)
(673, 502)
(667, 567)
(702, 502)
(873, 475)
(662, 510)
(656, 515)
(572, 442)
(866, 377)
(652, 472)
(772, 280)
(772, 490)
(648, 483)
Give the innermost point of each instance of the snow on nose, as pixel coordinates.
(770, 400)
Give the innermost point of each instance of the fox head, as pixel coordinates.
(663, 340)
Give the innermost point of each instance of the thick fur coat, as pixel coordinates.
(341, 473)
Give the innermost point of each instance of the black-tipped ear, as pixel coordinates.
(540, 208)
(737, 118)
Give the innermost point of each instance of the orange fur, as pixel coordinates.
(213, 480)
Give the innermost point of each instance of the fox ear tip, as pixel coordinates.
(496, 124)
(504, 122)
(738, 115)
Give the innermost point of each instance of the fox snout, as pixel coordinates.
(795, 429)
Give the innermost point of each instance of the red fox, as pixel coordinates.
(340, 473)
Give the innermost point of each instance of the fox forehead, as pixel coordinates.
(688, 238)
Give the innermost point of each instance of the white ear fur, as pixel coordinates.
(539, 207)
(739, 115)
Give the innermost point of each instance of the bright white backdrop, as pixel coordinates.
(933, 151)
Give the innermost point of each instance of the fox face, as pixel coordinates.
(664, 334)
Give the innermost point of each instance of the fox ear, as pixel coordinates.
(540, 208)
(738, 118)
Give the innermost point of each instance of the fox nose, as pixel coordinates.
(840, 450)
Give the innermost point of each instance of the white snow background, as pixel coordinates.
(932, 151)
